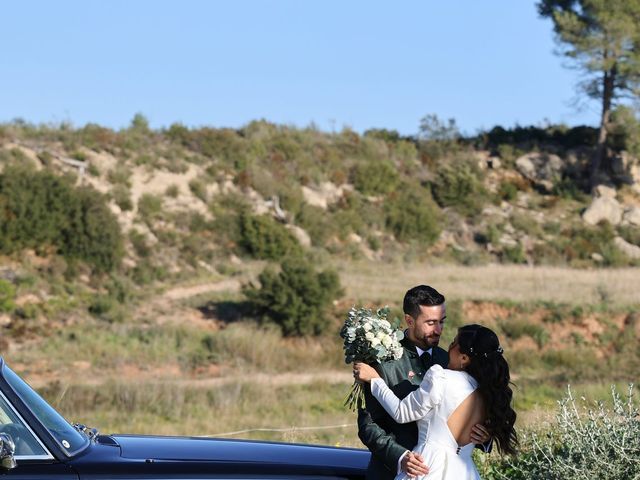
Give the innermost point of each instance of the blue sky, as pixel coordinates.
(362, 64)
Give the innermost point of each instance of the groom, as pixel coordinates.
(390, 443)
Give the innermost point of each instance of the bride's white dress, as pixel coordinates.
(440, 393)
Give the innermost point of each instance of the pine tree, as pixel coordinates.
(602, 39)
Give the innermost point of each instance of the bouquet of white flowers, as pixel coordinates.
(368, 337)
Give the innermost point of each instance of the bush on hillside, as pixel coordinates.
(625, 130)
(264, 238)
(7, 296)
(43, 211)
(375, 178)
(122, 197)
(459, 185)
(580, 244)
(411, 214)
(296, 298)
(149, 207)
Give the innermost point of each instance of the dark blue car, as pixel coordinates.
(37, 442)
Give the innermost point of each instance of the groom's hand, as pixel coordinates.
(413, 465)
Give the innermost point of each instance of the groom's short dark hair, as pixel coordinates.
(422, 295)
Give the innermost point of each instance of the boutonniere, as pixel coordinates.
(411, 374)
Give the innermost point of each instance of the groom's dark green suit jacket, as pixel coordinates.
(384, 437)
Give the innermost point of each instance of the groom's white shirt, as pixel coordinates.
(420, 352)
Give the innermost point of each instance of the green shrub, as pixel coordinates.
(264, 238)
(375, 178)
(625, 130)
(514, 254)
(459, 185)
(139, 243)
(316, 222)
(41, 210)
(199, 189)
(122, 197)
(630, 233)
(587, 441)
(578, 244)
(172, 191)
(411, 214)
(7, 296)
(93, 234)
(508, 153)
(120, 175)
(296, 298)
(149, 207)
(516, 328)
(526, 223)
(568, 189)
(508, 191)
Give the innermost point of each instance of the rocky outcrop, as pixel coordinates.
(629, 249)
(603, 209)
(323, 195)
(631, 216)
(301, 235)
(540, 168)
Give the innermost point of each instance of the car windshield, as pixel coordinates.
(69, 439)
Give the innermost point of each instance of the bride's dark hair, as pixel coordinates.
(491, 370)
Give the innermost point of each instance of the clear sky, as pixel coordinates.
(362, 64)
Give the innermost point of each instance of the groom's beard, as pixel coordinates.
(432, 340)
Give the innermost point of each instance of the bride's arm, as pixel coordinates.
(415, 405)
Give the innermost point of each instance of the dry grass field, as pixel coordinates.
(379, 282)
(195, 376)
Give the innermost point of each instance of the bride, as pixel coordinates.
(474, 389)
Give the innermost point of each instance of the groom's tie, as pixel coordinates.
(425, 358)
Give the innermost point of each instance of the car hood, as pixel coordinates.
(236, 451)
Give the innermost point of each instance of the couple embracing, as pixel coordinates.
(426, 412)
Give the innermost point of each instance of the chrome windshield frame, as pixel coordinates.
(48, 455)
(35, 423)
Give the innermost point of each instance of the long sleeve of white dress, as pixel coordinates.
(418, 403)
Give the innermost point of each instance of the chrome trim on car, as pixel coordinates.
(48, 456)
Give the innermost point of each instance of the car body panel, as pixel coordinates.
(145, 456)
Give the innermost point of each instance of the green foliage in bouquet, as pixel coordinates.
(369, 338)
(296, 298)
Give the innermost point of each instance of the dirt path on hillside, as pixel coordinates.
(180, 292)
(271, 380)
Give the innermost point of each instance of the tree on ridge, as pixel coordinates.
(601, 38)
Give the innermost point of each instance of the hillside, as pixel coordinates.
(178, 193)
(126, 254)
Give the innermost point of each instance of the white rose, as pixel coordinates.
(369, 336)
(385, 324)
(367, 327)
(380, 335)
(374, 342)
(386, 341)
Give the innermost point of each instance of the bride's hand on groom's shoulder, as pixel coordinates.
(363, 372)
